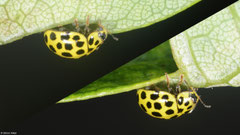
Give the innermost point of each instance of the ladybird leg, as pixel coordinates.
(156, 87)
(168, 82)
(87, 29)
(61, 28)
(178, 87)
(147, 87)
(194, 91)
(186, 83)
(77, 25)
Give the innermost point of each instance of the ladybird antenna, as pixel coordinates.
(86, 29)
(115, 38)
(205, 105)
(76, 25)
(168, 82)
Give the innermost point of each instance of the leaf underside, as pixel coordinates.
(208, 54)
(19, 18)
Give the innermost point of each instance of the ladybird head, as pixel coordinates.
(103, 35)
(102, 32)
(187, 101)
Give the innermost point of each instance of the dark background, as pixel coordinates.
(120, 114)
(33, 78)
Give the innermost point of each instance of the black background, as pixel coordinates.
(33, 78)
(120, 114)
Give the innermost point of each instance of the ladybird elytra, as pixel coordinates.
(66, 44)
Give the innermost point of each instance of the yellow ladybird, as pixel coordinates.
(168, 103)
(74, 44)
(164, 105)
(66, 44)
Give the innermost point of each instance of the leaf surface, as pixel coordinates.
(209, 52)
(19, 18)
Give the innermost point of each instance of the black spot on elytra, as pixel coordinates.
(157, 106)
(169, 103)
(65, 37)
(90, 42)
(149, 105)
(102, 35)
(180, 110)
(143, 108)
(80, 43)
(80, 52)
(53, 36)
(157, 114)
(76, 37)
(169, 112)
(52, 48)
(59, 45)
(90, 49)
(187, 112)
(187, 103)
(165, 97)
(97, 42)
(154, 96)
(67, 54)
(189, 107)
(175, 116)
(45, 38)
(194, 98)
(68, 46)
(180, 100)
(143, 95)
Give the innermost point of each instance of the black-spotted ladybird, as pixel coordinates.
(75, 44)
(170, 103)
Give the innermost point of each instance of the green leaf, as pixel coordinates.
(19, 18)
(142, 71)
(208, 54)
